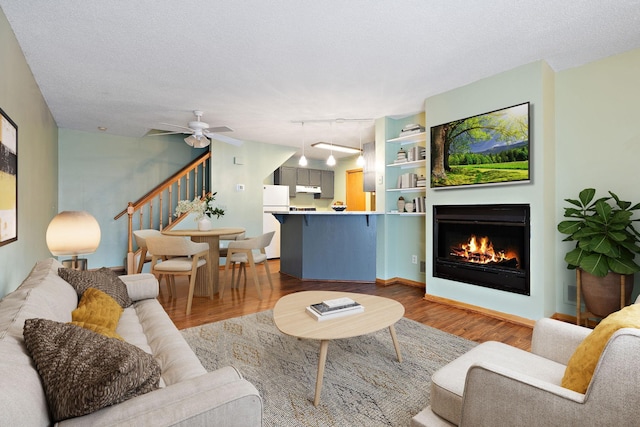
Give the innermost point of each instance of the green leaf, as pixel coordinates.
(574, 257)
(573, 202)
(603, 210)
(600, 245)
(587, 195)
(623, 266)
(569, 227)
(595, 264)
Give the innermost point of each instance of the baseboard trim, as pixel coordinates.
(517, 320)
(399, 281)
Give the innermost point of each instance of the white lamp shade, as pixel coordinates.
(73, 233)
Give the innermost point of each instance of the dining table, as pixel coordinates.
(212, 237)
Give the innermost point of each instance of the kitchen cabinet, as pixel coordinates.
(286, 175)
(312, 177)
(326, 185)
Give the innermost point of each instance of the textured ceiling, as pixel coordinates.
(256, 66)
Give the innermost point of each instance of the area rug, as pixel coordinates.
(364, 384)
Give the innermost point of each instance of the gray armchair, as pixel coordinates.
(495, 384)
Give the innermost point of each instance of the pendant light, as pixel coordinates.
(360, 161)
(303, 159)
(331, 161)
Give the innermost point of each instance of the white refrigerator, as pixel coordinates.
(275, 198)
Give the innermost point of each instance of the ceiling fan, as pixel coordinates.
(199, 131)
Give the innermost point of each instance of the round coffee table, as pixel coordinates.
(290, 317)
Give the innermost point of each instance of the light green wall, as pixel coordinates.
(598, 143)
(21, 100)
(533, 83)
(100, 173)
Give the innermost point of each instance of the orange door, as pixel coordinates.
(355, 195)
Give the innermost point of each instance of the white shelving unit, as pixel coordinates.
(412, 165)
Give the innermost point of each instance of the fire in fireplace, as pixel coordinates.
(485, 245)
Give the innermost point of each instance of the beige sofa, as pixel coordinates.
(188, 395)
(498, 385)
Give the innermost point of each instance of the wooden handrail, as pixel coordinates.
(166, 183)
(188, 174)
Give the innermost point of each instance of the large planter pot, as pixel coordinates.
(602, 294)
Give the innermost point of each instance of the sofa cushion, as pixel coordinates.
(103, 279)
(583, 363)
(97, 312)
(83, 371)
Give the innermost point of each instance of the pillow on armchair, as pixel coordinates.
(583, 362)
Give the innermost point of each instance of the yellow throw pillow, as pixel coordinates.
(583, 362)
(98, 329)
(98, 312)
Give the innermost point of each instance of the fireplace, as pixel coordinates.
(484, 245)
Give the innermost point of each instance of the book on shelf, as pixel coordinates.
(334, 314)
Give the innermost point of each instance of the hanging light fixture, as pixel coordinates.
(360, 161)
(331, 161)
(303, 159)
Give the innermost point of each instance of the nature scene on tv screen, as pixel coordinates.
(483, 149)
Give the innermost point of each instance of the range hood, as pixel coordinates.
(313, 189)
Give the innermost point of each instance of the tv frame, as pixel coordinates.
(507, 178)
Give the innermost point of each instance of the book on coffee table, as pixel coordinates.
(335, 305)
(334, 314)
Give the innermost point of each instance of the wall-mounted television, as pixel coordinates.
(490, 148)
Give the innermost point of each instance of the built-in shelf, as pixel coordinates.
(409, 139)
(409, 189)
(407, 213)
(406, 165)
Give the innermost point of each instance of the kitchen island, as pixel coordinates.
(328, 245)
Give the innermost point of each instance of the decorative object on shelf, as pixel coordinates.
(203, 208)
(8, 180)
(606, 244)
(408, 206)
(401, 157)
(411, 129)
(401, 204)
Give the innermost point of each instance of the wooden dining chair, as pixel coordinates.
(223, 251)
(242, 252)
(179, 256)
(141, 240)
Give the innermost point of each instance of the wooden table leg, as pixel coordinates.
(324, 345)
(202, 280)
(396, 344)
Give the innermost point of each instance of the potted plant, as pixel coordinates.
(202, 207)
(606, 244)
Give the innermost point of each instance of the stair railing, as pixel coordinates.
(156, 208)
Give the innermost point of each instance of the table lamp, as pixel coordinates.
(73, 233)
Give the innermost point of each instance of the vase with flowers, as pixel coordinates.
(203, 207)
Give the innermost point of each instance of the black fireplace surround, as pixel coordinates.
(505, 226)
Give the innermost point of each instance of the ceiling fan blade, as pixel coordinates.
(178, 126)
(224, 138)
(219, 129)
(155, 132)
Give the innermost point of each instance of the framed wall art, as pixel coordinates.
(490, 148)
(8, 180)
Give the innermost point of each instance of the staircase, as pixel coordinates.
(156, 208)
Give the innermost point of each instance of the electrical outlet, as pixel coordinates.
(414, 259)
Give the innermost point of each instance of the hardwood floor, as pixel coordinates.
(242, 301)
